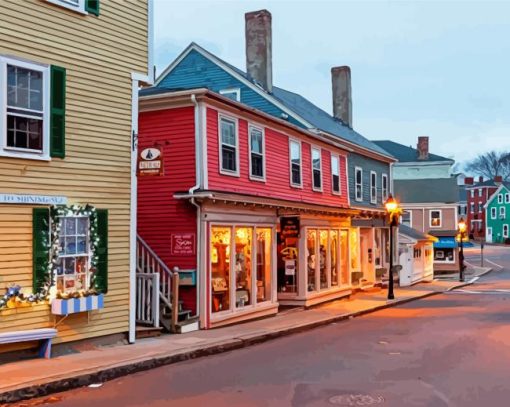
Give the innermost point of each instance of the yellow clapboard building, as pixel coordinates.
(69, 77)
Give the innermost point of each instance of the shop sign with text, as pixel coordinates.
(182, 244)
(150, 162)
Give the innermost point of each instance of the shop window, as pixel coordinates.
(344, 257)
(384, 181)
(358, 174)
(263, 252)
(316, 169)
(435, 218)
(377, 248)
(311, 258)
(323, 259)
(228, 147)
(444, 255)
(288, 255)
(220, 268)
(257, 160)
(333, 245)
(335, 174)
(373, 187)
(354, 245)
(295, 163)
(73, 254)
(242, 266)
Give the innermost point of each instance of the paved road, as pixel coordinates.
(447, 350)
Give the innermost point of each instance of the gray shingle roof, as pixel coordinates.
(405, 153)
(442, 190)
(413, 233)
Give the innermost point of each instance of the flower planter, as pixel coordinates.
(75, 305)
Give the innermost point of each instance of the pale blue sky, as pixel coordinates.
(418, 68)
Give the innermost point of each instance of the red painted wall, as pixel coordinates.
(159, 214)
(277, 183)
(487, 193)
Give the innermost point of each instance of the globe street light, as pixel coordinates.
(393, 211)
(462, 231)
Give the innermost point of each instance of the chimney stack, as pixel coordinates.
(259, 58)
(480, 178)
(423, 148)
(342, 94)
(498, 179)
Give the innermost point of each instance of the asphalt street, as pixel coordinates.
(447, 350)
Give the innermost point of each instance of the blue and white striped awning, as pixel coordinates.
(74, 305)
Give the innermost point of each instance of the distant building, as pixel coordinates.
(497, 214)
(477, 196)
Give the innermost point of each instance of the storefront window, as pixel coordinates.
(242, 266)
(311, 258)
(263, 250)
(354, 244)
(333, 239)
(323, 255)
(344, 256)
(444, 255)
(377, 248)
(288, 255)
(220, 268)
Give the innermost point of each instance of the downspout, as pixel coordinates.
(198, 177)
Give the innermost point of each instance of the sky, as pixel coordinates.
(419, 68)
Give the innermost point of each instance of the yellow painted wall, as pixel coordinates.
(99, 54)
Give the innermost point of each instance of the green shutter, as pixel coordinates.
(40, 242)
(92, 6)
(58, 112)
(102, 251)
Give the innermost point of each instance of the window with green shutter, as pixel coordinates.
(57, 111)
(41, 247)
(102, 251)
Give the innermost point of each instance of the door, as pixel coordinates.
(406, 261)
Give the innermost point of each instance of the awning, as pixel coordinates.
(445, 243)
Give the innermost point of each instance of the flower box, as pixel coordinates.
(75, 305)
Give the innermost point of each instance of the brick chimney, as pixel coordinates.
(342, 94)
(423, 148)
(469, 181)
(259, 57)
(498, 179)
(480, 178)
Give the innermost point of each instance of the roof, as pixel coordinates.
(486, 183)
(300, 106)
(438, 190)
(414, 234)
(407, 154)
(443, 233)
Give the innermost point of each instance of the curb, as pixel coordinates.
(101, 375)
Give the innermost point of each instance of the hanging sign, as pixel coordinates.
(182, 244)
(32, 199)
(150, 162)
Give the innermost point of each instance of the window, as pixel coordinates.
(81, 6)
(472, 193)
(444, 256)
(384, 183)
(316, 169)
(228, 147)
(472, 207)
(507, 198)
(435, 219)
(295, 163)
(480, 206)
(494, 213)
(73, 254)
(502, 212)
(489, 231)
(373, 187)
(505, 231)
(406, 218)
(26, 105)
(335, 174)
(232, 93)
(500, 198)
(480, 192)
(257, 159)
(358, 174)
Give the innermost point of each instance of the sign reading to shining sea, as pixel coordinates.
(150, 162)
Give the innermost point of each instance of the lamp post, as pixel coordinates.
(393, 212)
(462, 231)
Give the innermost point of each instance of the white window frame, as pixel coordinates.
(410, 212)
(373, 187)
(500, 198)
(502, 212)
(480, 192)
(356, 170)
(480, 207)
(237, 92)
(318, 149)
(494, 213)
(298, 142)
(384, 178)
(472, 193)
(6, 151)
(339, 192)
(505, 227)
(261, 129)
(440, 218)
(472, 207)
(79, 8)
(507, 198)
(235, 173)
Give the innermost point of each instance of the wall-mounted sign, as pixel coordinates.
(182, 244)
(32, 199)
(150, 161)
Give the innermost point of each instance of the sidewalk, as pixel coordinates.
(38, 377)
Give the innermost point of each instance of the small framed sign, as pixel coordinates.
(182, 244)
(150, 162)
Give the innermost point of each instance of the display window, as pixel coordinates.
(344, 257)
(240, 266)
(311, 258)
(354, 245)
(335, 263)
(444, 255)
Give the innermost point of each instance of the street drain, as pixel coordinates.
(356, 400)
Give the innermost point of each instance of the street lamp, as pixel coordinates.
(393, 211)
(462, 231)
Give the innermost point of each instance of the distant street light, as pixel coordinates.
(462, 232)
(393, 211)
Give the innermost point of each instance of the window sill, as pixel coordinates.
(25, 156)
(78, 9)
(230, 174)
(296, 186)
(257, 179)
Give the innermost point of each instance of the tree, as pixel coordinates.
(491, 164)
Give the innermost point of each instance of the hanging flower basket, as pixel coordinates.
(61, 306)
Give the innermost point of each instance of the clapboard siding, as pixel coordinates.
(99, 54)
(368, 165)
(159, 214)
(277, 184)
